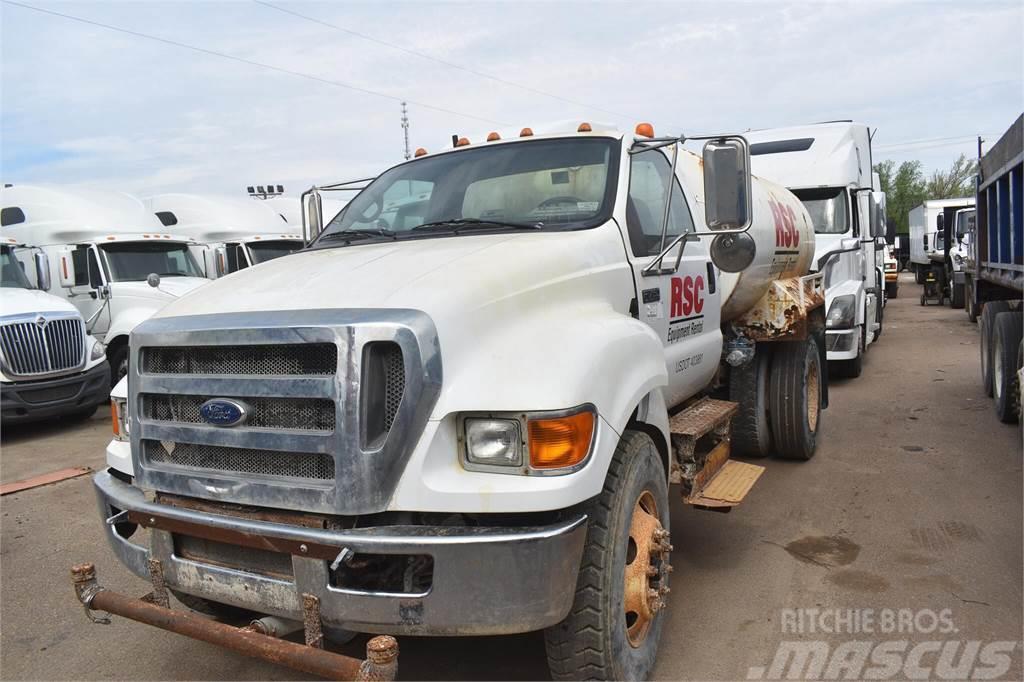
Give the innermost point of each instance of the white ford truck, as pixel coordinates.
(464, 420)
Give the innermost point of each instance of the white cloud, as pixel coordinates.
(83, 104)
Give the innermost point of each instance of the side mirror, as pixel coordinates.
(66, 271)
(312, 216)
(727, 190)
(104, 292)
(940, 222)
(42, 262)
(220, 259)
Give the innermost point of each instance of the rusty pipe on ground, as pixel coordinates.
(381, 652)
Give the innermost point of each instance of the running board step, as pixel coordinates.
(700, 457)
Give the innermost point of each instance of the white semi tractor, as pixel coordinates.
(49, 366)
(465, 421)
(108, 256)
(235, 233)
(927, 240)
(828, 167)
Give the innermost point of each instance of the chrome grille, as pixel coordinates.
(31, 349)
(315, 359)
(313, 414)
(315, 466)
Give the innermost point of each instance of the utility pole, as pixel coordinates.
(405, 131)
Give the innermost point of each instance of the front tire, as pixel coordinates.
(795, 399)
(118, 357)
(956, 296)
(613, 628)
(851, 369)
(892, 289)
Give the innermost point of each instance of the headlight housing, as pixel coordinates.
(98, 350)
(842, 312)
(119, 418)
(531, 444)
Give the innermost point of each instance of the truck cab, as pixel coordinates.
(108, 256)
(828, 167)
(232, 233)
(49, 366)
(439, 417)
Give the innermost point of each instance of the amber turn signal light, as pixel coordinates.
(115, 419)
(560, 441)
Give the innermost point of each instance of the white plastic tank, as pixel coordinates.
(783, 235)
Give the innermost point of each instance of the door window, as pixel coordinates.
(645, 209)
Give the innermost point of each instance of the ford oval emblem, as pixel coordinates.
(223, 412)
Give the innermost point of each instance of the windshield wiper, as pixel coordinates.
(352, 235)
(456, 225)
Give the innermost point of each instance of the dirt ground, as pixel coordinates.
(912, 502)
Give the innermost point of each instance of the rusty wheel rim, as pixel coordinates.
(647, 568)
(812, 397)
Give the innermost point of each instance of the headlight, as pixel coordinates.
(98, 351)
(119, 418)
(538, 444)
(494, 441)
(841, 312)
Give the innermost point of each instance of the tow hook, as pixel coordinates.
(154, 609)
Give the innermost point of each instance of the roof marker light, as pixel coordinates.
(420, 152)
(462, 142)
(491, 137)
(645, 129)
(526, 132)
(584, 128)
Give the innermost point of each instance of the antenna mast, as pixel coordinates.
(405, 131)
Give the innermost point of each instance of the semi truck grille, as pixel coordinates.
(312, 414)
(315, 466)
(316, 359)
(31, 349)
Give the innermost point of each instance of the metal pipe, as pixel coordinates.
(381, 651)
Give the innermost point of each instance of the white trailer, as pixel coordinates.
(461, 415)
(235, 233)
(108, 255)
(828, 167)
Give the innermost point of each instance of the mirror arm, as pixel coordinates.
(668, 200)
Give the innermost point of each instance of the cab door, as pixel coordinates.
(680, 304)
(85, 294)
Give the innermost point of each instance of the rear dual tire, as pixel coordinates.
(988, 318)
(1006, 342)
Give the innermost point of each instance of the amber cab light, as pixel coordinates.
(463, 141)
(420, 152)
(645, 129)
(560, 442)
(584, 128)
(526, 132)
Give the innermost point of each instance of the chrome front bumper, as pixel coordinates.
(486, 581)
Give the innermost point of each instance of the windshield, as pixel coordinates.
(134, 261)
(10, 268)
(828, 209)
(262, 251)
(544, 184)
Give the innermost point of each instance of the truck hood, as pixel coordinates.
(170, 288)
(440, 276)
(15, 301)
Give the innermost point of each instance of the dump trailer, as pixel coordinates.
(459, 410)
(996, 275)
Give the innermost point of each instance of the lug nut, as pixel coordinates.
(651, 571)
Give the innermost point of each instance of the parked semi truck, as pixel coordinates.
(108, 256)
(233, 233)
(465, 420)
(49, 365)
(996, 277)
(828, 167)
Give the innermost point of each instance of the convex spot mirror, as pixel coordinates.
(727, 187)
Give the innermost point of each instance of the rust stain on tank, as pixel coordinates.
(782, 311)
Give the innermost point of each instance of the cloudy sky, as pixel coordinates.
(315, 98)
